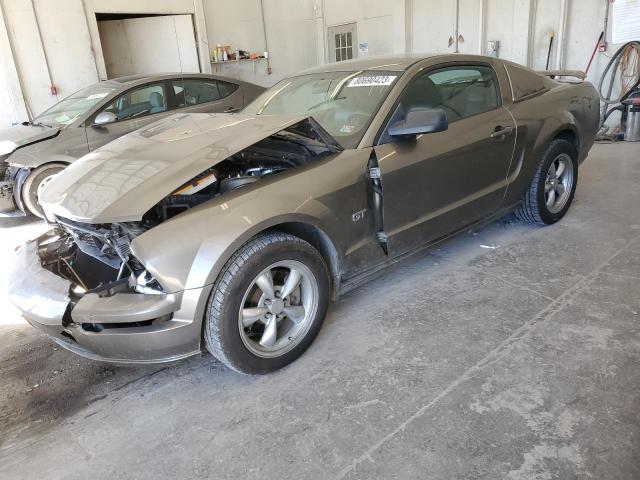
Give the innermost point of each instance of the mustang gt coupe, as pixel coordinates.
(234, 231)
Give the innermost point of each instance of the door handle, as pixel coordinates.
(230, 110)
(501, 132)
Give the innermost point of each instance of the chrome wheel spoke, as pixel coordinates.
(551, 198)
(270, 334)
(559, 183)
(265, 283)
(252, 314)
(295, 312)
(269, 325)
(293, 279)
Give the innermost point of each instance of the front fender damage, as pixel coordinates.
(110, 322)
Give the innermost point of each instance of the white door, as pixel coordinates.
(469, 26)
(434, 26)
(342, 42)
(149, 45)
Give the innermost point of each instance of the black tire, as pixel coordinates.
(534, 208)
(32, 183)
(221, 330)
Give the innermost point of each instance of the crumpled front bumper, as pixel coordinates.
(107, 328)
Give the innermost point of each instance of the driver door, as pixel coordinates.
(133, 109)
(438, 183)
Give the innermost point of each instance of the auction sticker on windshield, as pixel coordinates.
(372, 81)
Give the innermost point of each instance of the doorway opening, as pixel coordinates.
(147, 43)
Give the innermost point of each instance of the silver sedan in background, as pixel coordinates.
(32, 152)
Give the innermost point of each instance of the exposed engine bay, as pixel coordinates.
(96, 258)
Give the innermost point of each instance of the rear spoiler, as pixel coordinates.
(563, 73)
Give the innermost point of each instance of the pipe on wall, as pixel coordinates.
(562, 29)
(408, 26)
(533, 11)
(20, 98)
(44, 51)
(482, 35)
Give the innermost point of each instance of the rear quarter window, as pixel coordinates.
(525, 82)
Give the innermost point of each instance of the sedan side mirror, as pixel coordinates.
(419, 121)
(103, 118)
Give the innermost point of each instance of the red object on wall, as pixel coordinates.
(53, 89)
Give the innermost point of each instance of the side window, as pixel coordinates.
(139, 102)
(196, 91)
(227, 88)
(461, 91)
(524, 81)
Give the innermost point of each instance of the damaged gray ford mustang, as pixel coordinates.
(233, 231)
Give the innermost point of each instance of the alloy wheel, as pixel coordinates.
(278, 308)
(558, 183)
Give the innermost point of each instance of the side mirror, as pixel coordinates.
(103, 118)
(420, 120)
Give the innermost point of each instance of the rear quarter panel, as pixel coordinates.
(565, 107)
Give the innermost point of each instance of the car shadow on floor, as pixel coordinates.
(43, 384)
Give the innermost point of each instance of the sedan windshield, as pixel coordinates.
(344, 103)
(69, 109)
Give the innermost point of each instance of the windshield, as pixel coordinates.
(69, 109)
(344, 103)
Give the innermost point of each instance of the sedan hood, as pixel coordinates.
(21, 135)
(121, 181)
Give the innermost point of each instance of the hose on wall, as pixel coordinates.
(624, 66)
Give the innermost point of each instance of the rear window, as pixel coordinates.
(525, 82)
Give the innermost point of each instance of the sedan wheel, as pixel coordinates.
(34, 183)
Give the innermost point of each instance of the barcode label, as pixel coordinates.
(374, 81)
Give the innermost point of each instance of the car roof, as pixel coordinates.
(394, 63)
(133, 80)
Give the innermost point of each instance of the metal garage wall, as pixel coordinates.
(291, 36)
(380, 25)
(50, 45)
(12, 106)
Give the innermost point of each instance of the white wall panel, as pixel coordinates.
(380, 25)
(67, 44)
(508, 22)
(433, 25)
(12, 106)
(28, 54)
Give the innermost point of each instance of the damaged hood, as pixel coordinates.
(21, 135)
(121, 181)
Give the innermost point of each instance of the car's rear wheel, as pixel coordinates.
(34, 182)
(268, 304)
(553, 185)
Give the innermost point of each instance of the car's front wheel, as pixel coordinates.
(553, 185)
(268, 304)
(34, 182)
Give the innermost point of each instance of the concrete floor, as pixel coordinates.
(519, 362)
